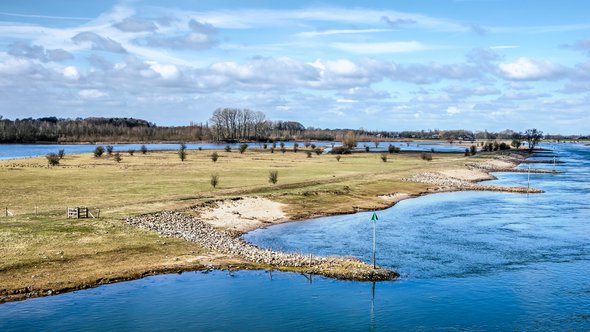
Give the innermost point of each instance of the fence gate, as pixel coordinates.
(78, 212)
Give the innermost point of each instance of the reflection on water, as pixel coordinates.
(469, 261)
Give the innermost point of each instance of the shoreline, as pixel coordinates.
(238, 263)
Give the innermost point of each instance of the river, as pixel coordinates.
(16, 151)
(468, 261)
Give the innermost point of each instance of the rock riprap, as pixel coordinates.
(177, 224)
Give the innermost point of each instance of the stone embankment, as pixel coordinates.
(460, 183)
(178, 225)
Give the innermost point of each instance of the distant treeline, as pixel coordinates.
(225, 125)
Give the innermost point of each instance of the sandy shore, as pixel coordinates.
(243, 215)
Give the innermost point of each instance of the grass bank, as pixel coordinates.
(42, 252)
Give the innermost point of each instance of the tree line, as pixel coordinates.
(225, 125)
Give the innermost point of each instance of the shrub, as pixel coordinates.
(214, 180)
(367, 149)
(426, 156)
(243, 148)
(182, 154)
(143, 149)
(52, 159)
(384, 157)
(200, 148)
(340, 150)
(131, 152)
(467, 153)
(338, 158)
(273, 177)
(473, 150)
(214, 156)
(182, 146)
(307, 144)
(318, 151)
(274, 145)
(295, 147)
(117, 157)
(282, 144)
(313, 146)
(376, 144)
(227, 148)
(265, 146)
(393, 149)
(98, 151)
(349, 140)
(109, 150)
(504, 146)
(308, 153)
(61, 153)
(272, 150)
(283, 150)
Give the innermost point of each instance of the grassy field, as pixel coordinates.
(46, 251)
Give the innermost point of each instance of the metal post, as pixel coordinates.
(374, 244)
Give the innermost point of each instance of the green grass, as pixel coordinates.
(32, 246)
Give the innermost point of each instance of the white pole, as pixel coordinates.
(374, 243)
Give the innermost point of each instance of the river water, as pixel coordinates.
(468, 260)
(14, 151)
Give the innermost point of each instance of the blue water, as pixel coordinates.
(14, 151)
(468, 260)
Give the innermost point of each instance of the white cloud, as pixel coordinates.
(382, 47)
(338, 32)
(71, 73)
(91, 94)
(530, 69)
(452, 110)
(167, 72)
(346, 101)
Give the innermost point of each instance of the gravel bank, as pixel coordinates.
(178, 225)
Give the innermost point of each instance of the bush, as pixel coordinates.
(61, 153)
(273, 177)
(274, 145)
(98, 151)
(295, 147)
(265, 146)
(282, 144)
(367, 149)
(384, 157)
(467, 153)
(200, 148)
(504, 146)
(227, 148)
(243, 148)
(182, 146)
(283, 150)
(340, 150)
(214, 180)
(349, 140)
(338, 158)
(131, 152)
(143, 149)
(117, 157)
(308, 153)
(307, 144)
(318, 151)
(272, 150)
(109, 150)
(214, 156)
(313, 146)
(426, 156)
(182, 154)
(473, 150)
(393, 149)
(52, 159)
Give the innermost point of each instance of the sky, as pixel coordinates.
(379, 65)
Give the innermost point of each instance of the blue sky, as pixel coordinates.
(387, 65)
